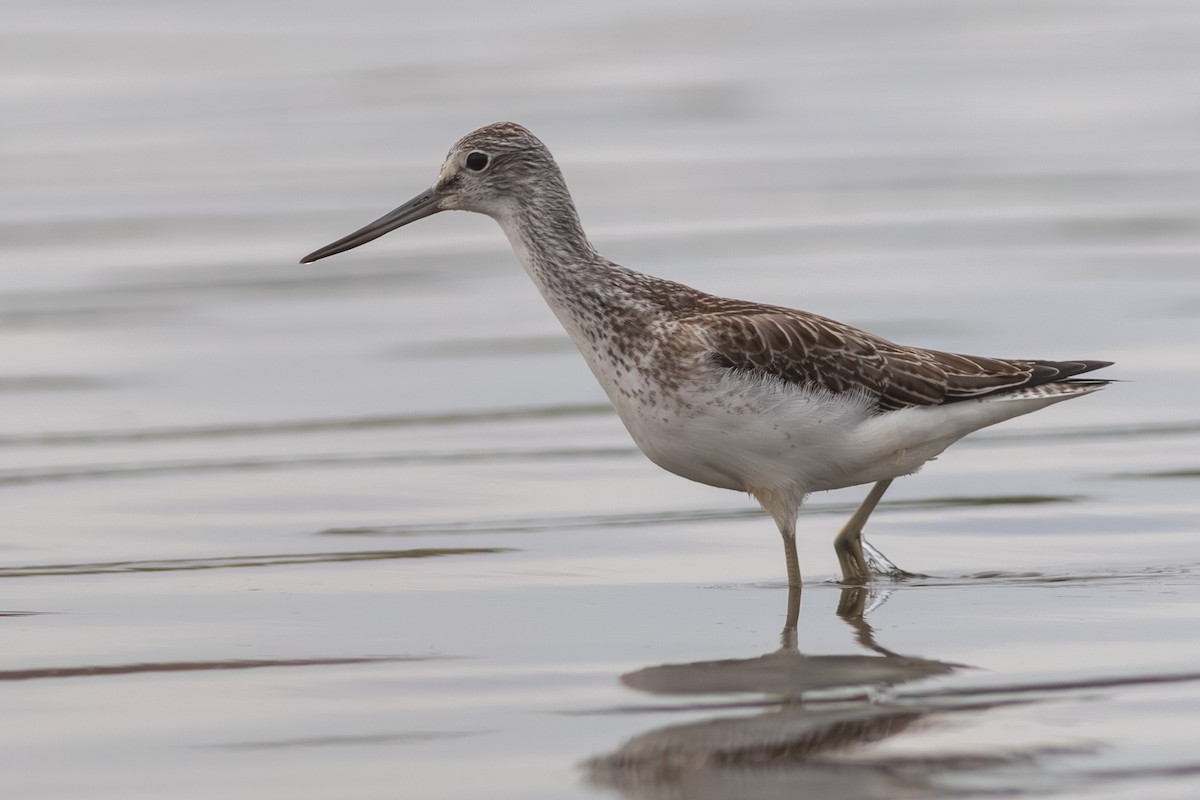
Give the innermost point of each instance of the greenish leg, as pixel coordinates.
(848, 543)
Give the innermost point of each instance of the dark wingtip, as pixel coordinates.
(1050, 371)
(1091, 365)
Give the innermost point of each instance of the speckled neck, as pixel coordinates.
(597, 301)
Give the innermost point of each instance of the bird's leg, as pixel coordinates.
(787, 639)
(783, 507)
(788, 531)
(849, 545)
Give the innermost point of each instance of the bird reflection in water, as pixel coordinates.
(816, 707)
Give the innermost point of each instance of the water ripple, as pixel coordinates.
(138, 470)
(398, 737)
(38, 673)
(233, 562)
(288, 427)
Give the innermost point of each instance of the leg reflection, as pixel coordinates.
(852, 609)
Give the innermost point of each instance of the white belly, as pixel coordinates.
(764, 435)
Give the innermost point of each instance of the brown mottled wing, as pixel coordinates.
(805, 349)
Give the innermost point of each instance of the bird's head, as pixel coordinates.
(490, 171)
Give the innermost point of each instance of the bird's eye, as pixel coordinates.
(477, 161)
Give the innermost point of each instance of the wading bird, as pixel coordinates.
(758, 398)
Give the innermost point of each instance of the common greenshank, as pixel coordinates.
(762, 399)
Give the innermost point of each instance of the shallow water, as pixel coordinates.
(369, 525)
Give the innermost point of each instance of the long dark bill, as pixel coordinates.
(421, 206)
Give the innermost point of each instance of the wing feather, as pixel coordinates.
(808, 350)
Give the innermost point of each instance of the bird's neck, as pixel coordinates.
(584, 289)
(548, 238)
